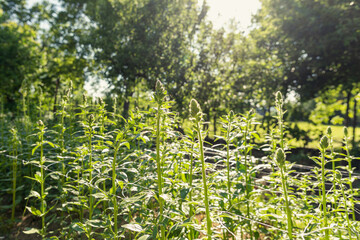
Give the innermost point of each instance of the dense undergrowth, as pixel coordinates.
(88, 173)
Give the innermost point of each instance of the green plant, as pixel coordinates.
(348, 158)
(323, 145)
(159, 96)
(196, 117)
(280, 160)
(139, 178)
(40, 178)
(15, 142)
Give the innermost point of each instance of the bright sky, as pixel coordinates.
(221, 11)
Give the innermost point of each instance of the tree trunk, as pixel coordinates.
(206, 118)
(215, 129)
(56, 93)
(128, 93)
(268, 120)
(264, 117)
(126, 107)
(347, 119)
(354, 124)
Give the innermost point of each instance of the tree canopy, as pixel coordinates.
(302, 48)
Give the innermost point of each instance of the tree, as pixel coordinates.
(19, 57)
(213, 72)
(322, 48)
(64, 60)
(140, 40)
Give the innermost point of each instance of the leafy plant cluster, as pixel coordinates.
(92, 174)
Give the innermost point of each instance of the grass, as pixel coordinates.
(316, 131)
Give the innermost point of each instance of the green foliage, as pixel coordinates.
(19, 58)
(138, 178)
(135, 176)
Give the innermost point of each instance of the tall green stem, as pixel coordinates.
(91, 198)
(228, 161)
(247, 179)
(325, 218)
(196, 116)
(349, 160)
(159, 98)
(346, 210)
(159, 170)
(287, 205)
(114, 194)
(281, 161)
(191, 211)
(42, 194)
(15, 141)
(203, 170)
(14, 184)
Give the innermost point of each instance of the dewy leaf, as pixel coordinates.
(133, 227)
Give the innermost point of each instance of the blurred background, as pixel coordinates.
(232, 54)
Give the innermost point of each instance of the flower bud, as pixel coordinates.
(280, 156)
(346, 133)
(324, 142)
(91, 118)
(65, 96)
(328, 131)
(13, 131)
(40, 123)
(84, 98)
(195, 110)
(160, 92)
(279, 96)
(101, 102)
(231, 115)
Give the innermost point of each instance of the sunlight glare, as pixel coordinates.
(221, 11)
